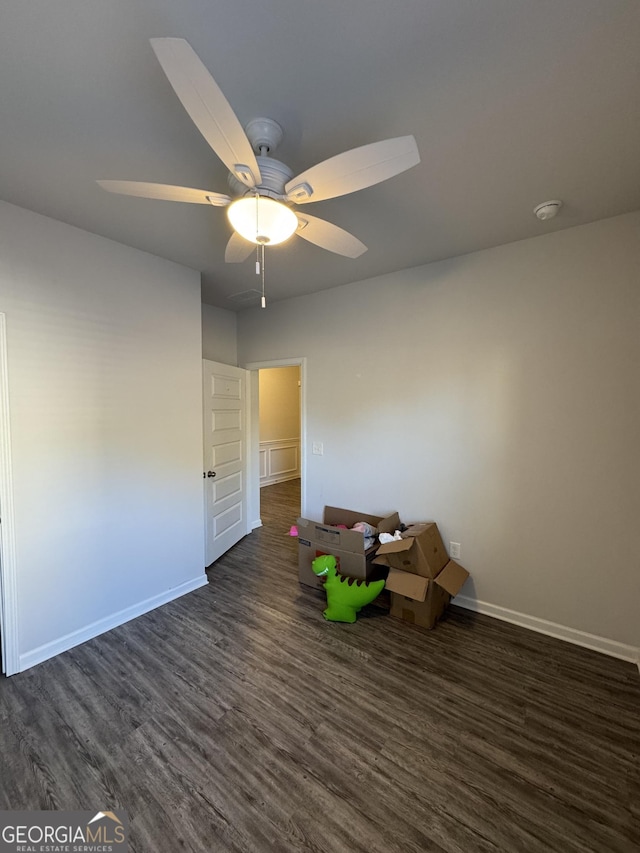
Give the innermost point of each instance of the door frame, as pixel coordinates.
(8, 566)
(254, 432)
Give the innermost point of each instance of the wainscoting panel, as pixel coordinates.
(279, 461)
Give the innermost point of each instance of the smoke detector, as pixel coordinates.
(547, 210)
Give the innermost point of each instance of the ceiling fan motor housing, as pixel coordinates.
(274, 176)
(264, 134)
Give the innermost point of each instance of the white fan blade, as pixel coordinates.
(209, 109)
(354, 170)
(165, 192)
(329, 236)
(238, 249)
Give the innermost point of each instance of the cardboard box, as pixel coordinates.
(340, 538)
(420, 551)
(422, 601)
(348, 563)
(424, 614)
(347, 546)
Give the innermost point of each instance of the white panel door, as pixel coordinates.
(225, 457)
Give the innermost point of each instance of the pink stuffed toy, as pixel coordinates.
(369, 532)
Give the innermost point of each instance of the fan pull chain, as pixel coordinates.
(260, 269)
(260, 252)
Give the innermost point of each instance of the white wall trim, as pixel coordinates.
(270, 472)
(8, 563)
(63, 644)
(551, 629)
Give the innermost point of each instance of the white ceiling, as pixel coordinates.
(512, 102)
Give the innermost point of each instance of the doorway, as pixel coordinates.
(274, 456)
(279, 416)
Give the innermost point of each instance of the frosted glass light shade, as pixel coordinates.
(262, 220)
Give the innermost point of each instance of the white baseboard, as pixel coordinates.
(63, 644)
(256, 523)
(278, 478)
(551, 629)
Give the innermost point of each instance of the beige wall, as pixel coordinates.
(279, 391)
(497, 393)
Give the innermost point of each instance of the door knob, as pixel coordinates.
(211, 473)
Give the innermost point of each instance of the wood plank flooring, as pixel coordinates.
(237, 719)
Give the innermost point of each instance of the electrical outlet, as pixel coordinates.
(317, 449)
(454, 550)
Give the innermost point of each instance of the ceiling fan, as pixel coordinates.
(263, 190)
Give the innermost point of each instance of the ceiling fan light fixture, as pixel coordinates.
(261, 184)
(261, 220)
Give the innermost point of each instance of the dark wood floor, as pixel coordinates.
(237, 719)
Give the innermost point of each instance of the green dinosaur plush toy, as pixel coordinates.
(345, 596)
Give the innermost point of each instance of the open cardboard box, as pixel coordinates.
(422, 579)
(420, 600)
(347, 546)
(420, 551)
